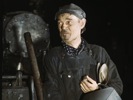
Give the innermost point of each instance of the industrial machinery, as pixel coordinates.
(25, 40)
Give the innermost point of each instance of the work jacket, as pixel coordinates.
(64, 72)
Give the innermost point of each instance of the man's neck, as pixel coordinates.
(75, 43)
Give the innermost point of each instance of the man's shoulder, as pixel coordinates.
(97, 50)
(94, 46)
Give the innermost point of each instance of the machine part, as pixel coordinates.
(33, 92)
(34, 65)
(19, 79)
(22, 22)
(19, 66)
(19, 75)
(12, 92)
(15, 93)
(10, 81)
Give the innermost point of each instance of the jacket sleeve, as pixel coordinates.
(51, 79)
(114, 79)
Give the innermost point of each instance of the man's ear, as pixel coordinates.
(83, 23)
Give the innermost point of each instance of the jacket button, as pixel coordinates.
(60, 76)
(69, 76)
(49, 95)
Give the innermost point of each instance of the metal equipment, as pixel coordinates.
(18, 82)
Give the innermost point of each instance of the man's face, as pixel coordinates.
(70, 27)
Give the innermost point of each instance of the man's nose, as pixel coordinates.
(64, 26)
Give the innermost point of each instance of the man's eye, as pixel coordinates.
(69, 22)
(59, 23)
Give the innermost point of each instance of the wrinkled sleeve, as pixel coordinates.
(114, 79)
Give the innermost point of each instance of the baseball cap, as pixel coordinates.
(72, 9)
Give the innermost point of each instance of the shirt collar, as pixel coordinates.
(71, 50)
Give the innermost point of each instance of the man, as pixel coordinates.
(73, 69)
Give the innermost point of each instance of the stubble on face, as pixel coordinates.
(65, 35)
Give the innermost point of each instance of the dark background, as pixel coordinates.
(109, 24)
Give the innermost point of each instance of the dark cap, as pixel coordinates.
(72, 9)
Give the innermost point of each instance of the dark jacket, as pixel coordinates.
(63, 72)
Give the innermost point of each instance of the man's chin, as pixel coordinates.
(65, 39)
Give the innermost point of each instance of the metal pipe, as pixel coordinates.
(35, 70)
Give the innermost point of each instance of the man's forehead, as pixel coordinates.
(67, 16)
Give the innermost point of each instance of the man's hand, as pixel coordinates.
(88, 84)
